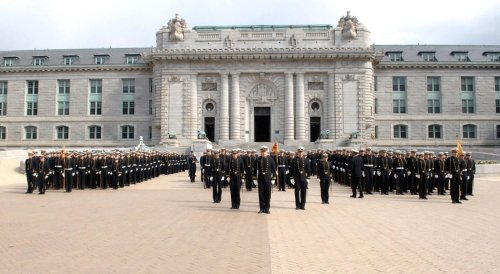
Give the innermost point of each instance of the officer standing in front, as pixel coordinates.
(266, 171)
(301, 168)
(235, 173)
(325, 169)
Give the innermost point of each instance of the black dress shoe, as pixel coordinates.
(268, 212)
(297, 208)
(327, 203)
(353, 196)
(322, 202)
(465, 199)
(458, 202)
(453, 202)
(303, 208)
(260, 211)
(361, 197)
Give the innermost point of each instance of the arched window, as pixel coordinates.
(127, 132)
(469, 131)
(62, 133)
(94, 132)
(401, 131)
(435, 131)
(30, 133)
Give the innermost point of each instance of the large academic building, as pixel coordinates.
(295, 84)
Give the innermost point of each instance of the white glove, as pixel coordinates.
(374, 172)
(287, 172)
(211, 178)
(378, 173)
(222, 179)
(409, 172)
(255, 182)
(468, 177)
(436, 176)
(363, 173)
(292, 181)
(390, 172)
(417, 176)
(272, 182)
(73, 174)
(395, 176)
(307, 180)
(243, 181)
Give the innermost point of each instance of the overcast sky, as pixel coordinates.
(29, 24)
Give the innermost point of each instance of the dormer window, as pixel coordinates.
(395, 56)
(492, 56)
(69, 59)
(100, 59)
(462, 56)
(428, 56)
(9, 61)
(39, 60)
(132, 58)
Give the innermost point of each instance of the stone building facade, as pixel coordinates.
(295, 84)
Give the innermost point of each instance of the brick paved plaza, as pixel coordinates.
(169, 225)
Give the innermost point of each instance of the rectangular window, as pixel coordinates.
(62, 133)
(375, 104)
(3, 108)
(8, 62)
(3, 88)
(434, 131)
(468, 94)
(433, 83)
(467, 83)
(399, 106)
(429, 56)
(433, 106)
(95, 132)
(132, 59)
(31, 108)
(150, 131)
(95, 108)
(462, 57)
(498, 132)
(32, 87)
(63, 86)
(315, 86)
(99, 60)
(96, 86)
(209, 86)
(467, 106)
(63, 108)
(497, 84)
(400, 131)
(469, 131)
(375, 83)
(494, 57)
(128, 107)
(497, 105)
(376, 133)
(30, 133)
(38, 61)
(398, 83)
(127, 132)
(3, 133)
(69, 60)
(150, 107)
(128, 85)
(150, 85)
(395, 56)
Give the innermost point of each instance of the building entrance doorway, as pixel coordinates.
(262, 124)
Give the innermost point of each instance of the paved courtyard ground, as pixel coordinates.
(169, 225)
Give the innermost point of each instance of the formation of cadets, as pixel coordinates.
(365, 171)
(92, 170)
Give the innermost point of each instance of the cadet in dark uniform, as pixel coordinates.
(235, 173)
(282, 170)
(324, 174)
(356, 168)
(266, 171)
(192, 166)
(421, 176)
(368, 168)
(463, 175)
(218, 167)
(301, 169)
(30, 167)
(439, 173)
(206, 168)
(452, 169)
(471, 170)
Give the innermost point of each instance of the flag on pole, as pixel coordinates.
(460, 150)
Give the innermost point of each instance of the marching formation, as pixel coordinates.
(63, 170)
(365, 171)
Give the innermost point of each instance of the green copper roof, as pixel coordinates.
(262, 27)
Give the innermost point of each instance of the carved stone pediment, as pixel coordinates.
(262, 94)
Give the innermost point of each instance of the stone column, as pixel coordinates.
(235, 107)
(331, 105)
(224, 107)
(289, 128)
(193, 134)
(300, 130)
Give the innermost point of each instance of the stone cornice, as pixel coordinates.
(261, 53)
(76, 68)
(437, 65)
